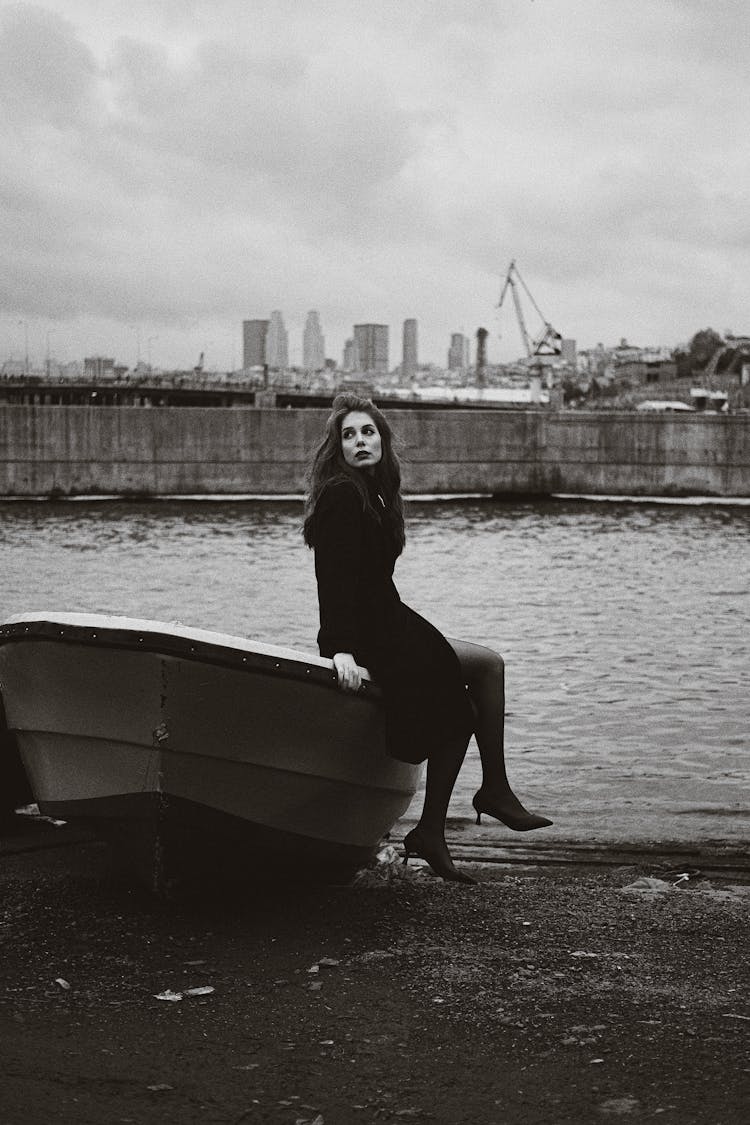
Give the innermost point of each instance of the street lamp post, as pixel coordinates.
(26, 346)
(49, 333)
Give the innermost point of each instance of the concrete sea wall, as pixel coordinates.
(79, 450)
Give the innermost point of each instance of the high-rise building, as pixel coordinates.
(254, 334)
(409, 354)
(98, 367)
(568, 352)
(458, 352)
(372, 347)
(350, 360)
(313, 344)
(277, 343)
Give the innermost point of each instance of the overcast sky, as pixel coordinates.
(172, 167)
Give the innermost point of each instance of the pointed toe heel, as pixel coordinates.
(436, 855)
(518, 821)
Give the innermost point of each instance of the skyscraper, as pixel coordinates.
(254, 334)
(568, 352)
(458, 352)
(277, 343)
(372, 347)
(409, 354)
(351, 356)
(313, 344)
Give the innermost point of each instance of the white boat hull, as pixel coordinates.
(197, 750)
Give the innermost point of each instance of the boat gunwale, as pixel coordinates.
(187, 644)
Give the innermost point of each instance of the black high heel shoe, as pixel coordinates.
(438, 857)
(519, 822)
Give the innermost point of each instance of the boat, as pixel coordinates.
(198, 755)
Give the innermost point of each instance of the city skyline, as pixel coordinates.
(267, 342)
(168, 167)
(281, 346)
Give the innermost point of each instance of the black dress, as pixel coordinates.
(424, 695)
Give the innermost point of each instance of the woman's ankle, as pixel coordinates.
(431, 829)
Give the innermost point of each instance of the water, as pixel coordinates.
(624, 628)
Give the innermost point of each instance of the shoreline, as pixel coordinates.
(717, 858)
(682, 500)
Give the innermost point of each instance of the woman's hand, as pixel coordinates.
(347, 671)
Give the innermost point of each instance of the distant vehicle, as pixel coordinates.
(673, 406)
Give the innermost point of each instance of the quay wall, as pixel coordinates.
(80, 450)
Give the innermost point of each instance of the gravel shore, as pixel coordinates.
(551, 995)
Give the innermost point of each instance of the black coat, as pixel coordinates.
(425, 698)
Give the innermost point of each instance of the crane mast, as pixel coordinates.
(548, 341)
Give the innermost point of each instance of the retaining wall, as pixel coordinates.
(78, 450)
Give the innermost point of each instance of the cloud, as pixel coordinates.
(177, 163)
(276, 133)
(46, 74)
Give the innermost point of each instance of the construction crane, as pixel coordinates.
(549, 340)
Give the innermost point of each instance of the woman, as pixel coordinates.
(436, 692)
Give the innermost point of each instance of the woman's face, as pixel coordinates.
(361, 444)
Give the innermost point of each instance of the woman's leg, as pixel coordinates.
(484, 675)
(443, 766)
(427, 840)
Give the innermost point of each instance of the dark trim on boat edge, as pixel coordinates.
(185, 648)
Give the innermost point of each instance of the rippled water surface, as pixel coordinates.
(624, 626)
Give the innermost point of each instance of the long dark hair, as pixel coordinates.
(328, 466)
